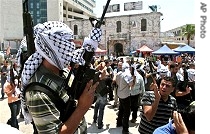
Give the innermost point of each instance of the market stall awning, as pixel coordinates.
(186, 49)
(165, 50)
(144, 48)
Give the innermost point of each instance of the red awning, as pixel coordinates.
(144, 48)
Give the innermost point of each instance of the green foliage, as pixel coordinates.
(188, 31)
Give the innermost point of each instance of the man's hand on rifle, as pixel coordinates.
(87, 97)
(154, 87)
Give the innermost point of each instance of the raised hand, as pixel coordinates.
(87, 97)
(179, 123)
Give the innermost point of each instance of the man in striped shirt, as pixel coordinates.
(158, 106)
(43, 83)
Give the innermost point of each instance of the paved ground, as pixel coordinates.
(110, 116)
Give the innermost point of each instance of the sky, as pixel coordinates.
(176, 13)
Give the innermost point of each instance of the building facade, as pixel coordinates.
(60, 10)
(124, 34)
(175, 35)
(121, 34)
(11, 21)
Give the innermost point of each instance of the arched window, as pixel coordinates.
(75, 30)
(118, 26)
(143, 25)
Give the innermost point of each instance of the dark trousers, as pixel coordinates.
(124, 113)
(99, 112)
(15, 110)
(3, 80)
(111, 95)
(192, 92)
(134, 105)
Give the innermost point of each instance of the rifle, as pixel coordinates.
(28, 50)
(28, 29)
(153, 73)
(100, 22)
(83, 75)
(186, 80)
(185, 77)
(12, 77)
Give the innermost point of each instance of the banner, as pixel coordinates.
(133, 6)
(113, 8)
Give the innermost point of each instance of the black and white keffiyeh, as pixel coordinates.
(53, 42)
(23, 46)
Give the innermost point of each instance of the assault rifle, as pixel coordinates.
(185, 77)
(83, 73)
(28, 29)
(12, 77)
(152, 72)
(100, 22)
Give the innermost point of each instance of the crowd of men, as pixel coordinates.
(164, 89)
(168, 87)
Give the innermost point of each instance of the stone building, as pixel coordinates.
(176, 35)
(123, 34)
(11, 21)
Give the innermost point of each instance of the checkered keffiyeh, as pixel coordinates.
(93, 39)
(52, 42)
(20, 50)
(96, 34)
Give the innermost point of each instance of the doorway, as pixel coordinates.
(118, 49)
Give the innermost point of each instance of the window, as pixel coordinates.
(38, 21)
(118, 26)
(32, 5)
(143, 25)
(37, 5)
(75, 30)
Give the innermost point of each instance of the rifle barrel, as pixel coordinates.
(103, 14)
(104, 11)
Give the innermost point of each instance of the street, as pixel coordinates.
(110, 116)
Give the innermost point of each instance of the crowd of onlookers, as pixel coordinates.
(160, 85)
(163, 88)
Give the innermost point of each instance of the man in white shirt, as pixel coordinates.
(124, 81)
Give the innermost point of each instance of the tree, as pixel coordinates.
(188, 31)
